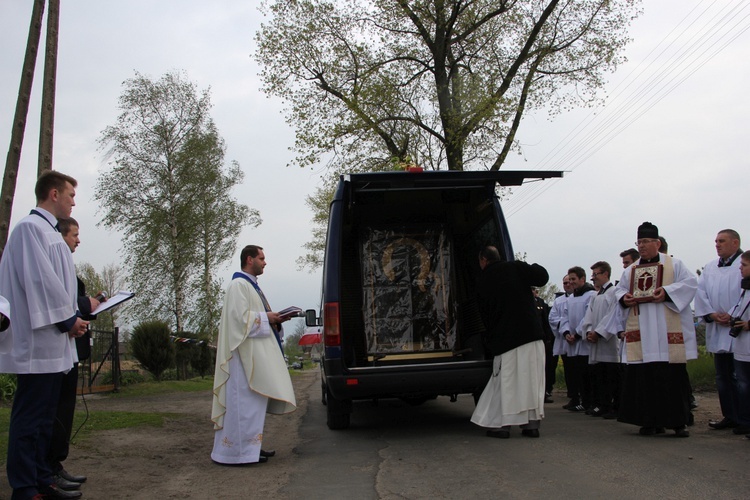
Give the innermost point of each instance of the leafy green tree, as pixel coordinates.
(443, 83)
(214, 239)
(166, 171)
(151, 345)
(373, 84)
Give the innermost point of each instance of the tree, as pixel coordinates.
(167, 178)
(204, 156)
(443, 83)
(152, 347)
(373, 84)
(94, 284)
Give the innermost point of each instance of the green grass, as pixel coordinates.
(701, 372)
(166, 386)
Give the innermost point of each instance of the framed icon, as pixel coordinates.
(644, 280)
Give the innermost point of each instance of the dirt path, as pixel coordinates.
(174, 461)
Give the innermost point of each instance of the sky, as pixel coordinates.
(669, 147)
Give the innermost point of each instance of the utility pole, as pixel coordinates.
(47, 124)
(19, 122)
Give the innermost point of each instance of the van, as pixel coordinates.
(399, 316)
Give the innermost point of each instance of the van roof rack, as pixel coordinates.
(445, 178)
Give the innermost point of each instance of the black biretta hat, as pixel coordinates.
(648, 230)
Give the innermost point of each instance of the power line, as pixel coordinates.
(683, 59)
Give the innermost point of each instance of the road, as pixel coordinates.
(394, 450)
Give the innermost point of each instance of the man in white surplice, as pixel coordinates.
(38, 277)
(251, 377)
(604, 346)
(718, 293)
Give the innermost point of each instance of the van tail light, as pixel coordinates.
(331, 322)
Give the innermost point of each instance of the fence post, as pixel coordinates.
(116, 359)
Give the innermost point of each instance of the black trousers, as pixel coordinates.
(580, 380)
(550, 368)
(605, 381)
(63, 425)
(30, 431)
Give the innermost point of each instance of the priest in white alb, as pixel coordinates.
(251, 377)
(659, 339)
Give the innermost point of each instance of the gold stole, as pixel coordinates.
(675, 340)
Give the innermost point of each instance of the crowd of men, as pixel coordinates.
(625, 344)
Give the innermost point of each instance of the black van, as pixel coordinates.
(399, 315)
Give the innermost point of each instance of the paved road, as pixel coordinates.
(394, 450)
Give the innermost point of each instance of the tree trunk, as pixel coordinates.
(47, 125)
(19, 122)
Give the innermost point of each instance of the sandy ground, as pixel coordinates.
(174, 461)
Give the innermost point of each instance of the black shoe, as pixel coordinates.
(681, 432)
(498, 433)
(571, 404)
(71, 477)
(724, 423)
(650, 431)
(599, 412)
(530, 433)
(610, 415)
(267, 454)
(54, 491)
(577, 408)
(261, 460)
(66, 485)
(741, 429)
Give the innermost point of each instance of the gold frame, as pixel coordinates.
(644, 280)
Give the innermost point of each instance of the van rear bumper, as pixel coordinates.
(460, 377)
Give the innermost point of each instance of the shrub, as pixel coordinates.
(8, 385)
(151, 346)
(204, 362)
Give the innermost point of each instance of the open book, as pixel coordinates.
(292, 312)
(113, 301)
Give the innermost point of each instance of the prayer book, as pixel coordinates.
(113, 301)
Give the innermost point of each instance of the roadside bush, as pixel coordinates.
(185, 354)
(130, 378)
(204, 362)
(151, 346)
(8, 385)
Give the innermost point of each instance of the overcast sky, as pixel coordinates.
(670, 147)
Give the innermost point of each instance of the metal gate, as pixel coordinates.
(101, 372)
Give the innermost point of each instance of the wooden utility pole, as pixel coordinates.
(47, 125)
(19, 121)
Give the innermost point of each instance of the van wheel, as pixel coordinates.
(338, 412)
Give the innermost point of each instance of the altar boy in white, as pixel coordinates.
(251, 377)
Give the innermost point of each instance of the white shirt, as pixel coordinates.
(38, 277)
(718, 291)
(601, 307)
(575, 309)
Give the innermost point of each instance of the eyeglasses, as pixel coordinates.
(595, 274)
(643, 241)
